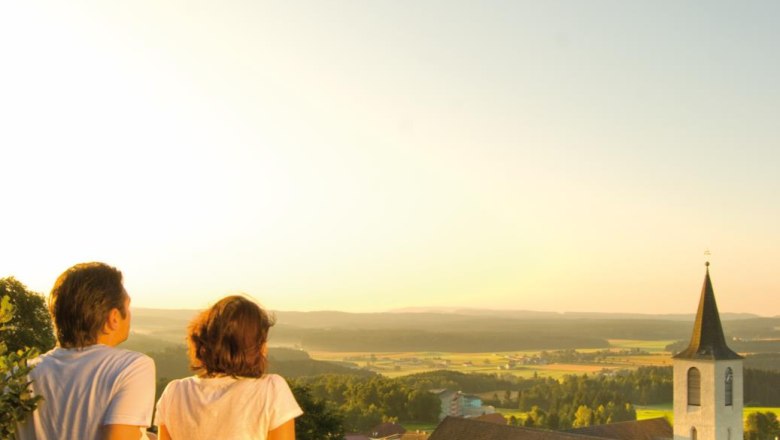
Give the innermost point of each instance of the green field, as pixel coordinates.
(421, 427)
(515, 363)
(405, 363)
(658, 346)
(653, 411)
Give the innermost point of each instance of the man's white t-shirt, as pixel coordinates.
(85, 388)
(226, 407)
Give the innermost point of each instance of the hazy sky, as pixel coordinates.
(368, 155)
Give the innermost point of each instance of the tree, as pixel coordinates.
(539, 417)
(423, 407)
(506, 402)
(583, 417)
(761, 426)
(30, 325)
(359, 418)
(16, 399)
(318, 422)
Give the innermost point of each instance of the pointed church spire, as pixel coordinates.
(707, 342)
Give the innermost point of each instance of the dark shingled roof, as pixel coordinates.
(707, 342)
(454, 428)
(650, 429)
(387, 429)
(496, 418)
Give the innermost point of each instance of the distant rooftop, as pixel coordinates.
(453, 428)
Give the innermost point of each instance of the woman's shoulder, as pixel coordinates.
(179, 383)
(270, 377)
(276, 384)
(273, 380)
(265, 382)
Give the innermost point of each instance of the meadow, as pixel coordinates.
(625, 353)
(524, 364)
(666, 410)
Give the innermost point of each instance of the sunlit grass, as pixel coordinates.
(655, 411)
(666, 410)
(652, 346)
(414, 427)
(395, 364)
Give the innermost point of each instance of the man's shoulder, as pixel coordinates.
(92, 355)
(129, 360)
(129, 354)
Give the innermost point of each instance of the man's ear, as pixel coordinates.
(112, 323)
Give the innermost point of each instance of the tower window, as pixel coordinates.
(694, 387)
(729, 387)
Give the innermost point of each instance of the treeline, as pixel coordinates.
(644, 386)
(763, 361)
(171, 363)
(738, 345)
(578, 417)
(572, 356)
(364, 402)
(762, 387)
(577, 401)
(472, 383)
(457, 341)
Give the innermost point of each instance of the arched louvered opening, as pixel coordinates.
(694, 387)
(729, 387)
(694, 434)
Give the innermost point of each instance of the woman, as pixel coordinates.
(230, 397)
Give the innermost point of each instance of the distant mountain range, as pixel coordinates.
(460, 329)
(533, 314)
(465, 311)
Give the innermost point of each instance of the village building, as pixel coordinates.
(459, 404)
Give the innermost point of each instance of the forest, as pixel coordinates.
(573, 401)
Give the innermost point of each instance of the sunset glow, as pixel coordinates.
(365, 156)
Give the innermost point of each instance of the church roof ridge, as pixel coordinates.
(708, 341)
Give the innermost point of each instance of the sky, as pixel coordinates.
(371, 155)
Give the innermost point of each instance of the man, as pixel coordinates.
(90, 389)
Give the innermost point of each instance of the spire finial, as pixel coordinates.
(707, 254)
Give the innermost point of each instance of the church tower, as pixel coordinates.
(707, 379)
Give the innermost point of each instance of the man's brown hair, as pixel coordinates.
(228, 339)
(81, 300)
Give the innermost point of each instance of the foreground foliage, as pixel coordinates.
(30, 324)
(318, 422)
(16, 400)
(367, 401)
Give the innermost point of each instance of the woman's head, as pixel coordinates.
(229, 338)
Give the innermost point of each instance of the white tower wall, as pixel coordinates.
(713, 419)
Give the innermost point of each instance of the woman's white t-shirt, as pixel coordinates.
(226, 407)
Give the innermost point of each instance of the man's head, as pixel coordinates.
(87, 303)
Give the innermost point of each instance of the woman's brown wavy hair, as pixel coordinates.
(228, 339)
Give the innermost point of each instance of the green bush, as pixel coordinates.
(16, 399)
